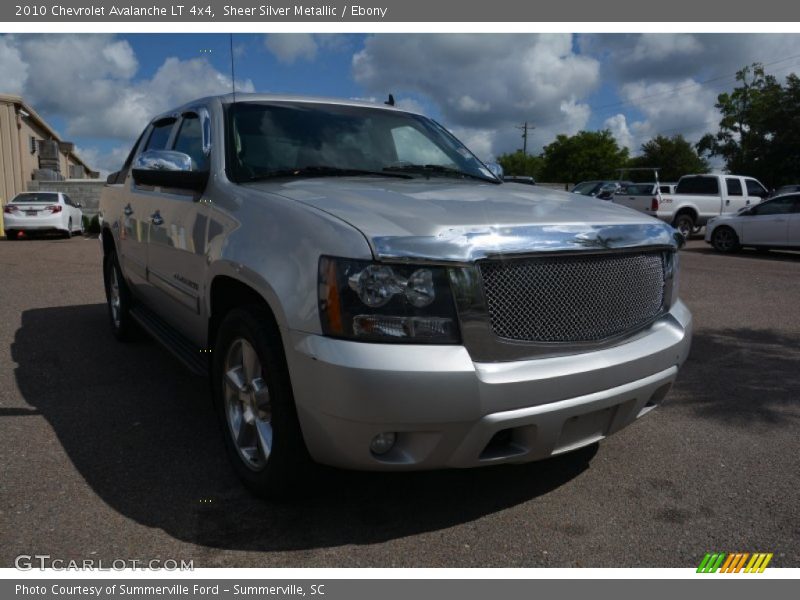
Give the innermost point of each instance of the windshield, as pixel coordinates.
(287, 139)
(33, 197)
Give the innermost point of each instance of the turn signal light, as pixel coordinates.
(56, 208)
(654, 204)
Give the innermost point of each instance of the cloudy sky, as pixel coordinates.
(100, 90)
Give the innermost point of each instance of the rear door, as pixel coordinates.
(768, 223)
(74, 212)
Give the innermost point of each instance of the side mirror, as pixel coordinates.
(78, 205)
(496, 170)
(168, 168)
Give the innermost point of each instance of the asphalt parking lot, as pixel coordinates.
(111, 451)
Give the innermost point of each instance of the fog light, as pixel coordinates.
(383, 442)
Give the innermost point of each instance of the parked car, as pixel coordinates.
(525, 179)
(42, 211)
(363, 293)
(786, 189)
(604, 189)
(697, 198)
(774, 223)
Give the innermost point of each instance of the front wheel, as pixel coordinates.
(253, 398)
(724, 239)
(684, 224)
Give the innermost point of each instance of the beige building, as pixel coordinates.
(31, 150)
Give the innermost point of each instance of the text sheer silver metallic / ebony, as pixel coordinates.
(573, 298)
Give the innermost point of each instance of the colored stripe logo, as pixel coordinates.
(737, 562)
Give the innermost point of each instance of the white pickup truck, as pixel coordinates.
(697, 198)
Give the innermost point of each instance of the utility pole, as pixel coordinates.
(525, 127)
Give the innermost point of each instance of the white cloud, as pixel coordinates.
(13, 69)
(690, 111)
(485, 84)
(290, 47)
(663, 46)
(104, 161)
(618, 125)
(90, 81)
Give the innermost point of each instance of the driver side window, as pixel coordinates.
(190, 141)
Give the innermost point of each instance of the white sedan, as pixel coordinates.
(42, 211)
(774, 223)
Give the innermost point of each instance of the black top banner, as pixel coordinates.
(472, 11)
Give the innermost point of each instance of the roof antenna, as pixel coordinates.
(390, 101)
(233, 73)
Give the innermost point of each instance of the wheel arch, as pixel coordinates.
(108, 241)
(684, 210)
(227, 291)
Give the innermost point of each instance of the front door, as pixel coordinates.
(176, 256)
(768, 223)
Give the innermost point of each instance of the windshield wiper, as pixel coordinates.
(323, 171)
(438, 170)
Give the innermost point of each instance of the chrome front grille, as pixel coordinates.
(573, 298)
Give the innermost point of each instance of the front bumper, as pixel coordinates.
(449, 411)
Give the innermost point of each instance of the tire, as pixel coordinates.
(118, 299)
(253, 399)
(11, 235)
(684, 223)
(82, 230)
(697, 229)
(724, 239)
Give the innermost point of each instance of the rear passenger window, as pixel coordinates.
(734, 187)
(190, 141)
(698, 185)
(160, 135)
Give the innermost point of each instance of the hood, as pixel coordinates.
(445, 219)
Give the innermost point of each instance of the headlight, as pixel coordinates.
(673, 262)
(369, 301)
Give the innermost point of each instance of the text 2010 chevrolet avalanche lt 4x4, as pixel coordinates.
(373, 297)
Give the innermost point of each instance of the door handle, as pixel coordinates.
(157, 219)
(727, 202)
(128, 210)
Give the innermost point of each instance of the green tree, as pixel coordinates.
(585, 155)
(673, 155)
(517, 163)
(759, 132)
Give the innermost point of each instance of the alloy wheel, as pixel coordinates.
(248, 409)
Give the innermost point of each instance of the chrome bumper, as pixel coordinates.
(449, 411)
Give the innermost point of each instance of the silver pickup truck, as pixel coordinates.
(365, 293)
